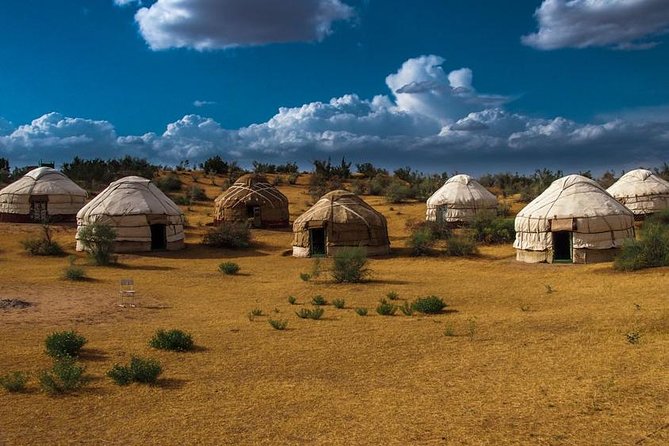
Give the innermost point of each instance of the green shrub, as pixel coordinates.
(173, 340)
(361, 311)
(277, 324)
(397, 192)
(292, 178)
(392, 295)
(306, 277)
(492, 230)
(315, 313)
(14, 381)
(145, 371)
(649, 252)
(196, 193)
(407, 309)
(319, 300)
(449, 331)
(231, 235)
(229, 268)
(350, 265)
(460, 246)
(182, 200)
(98, 240)
(64, 344)
(65, 376)
(75, 273)
(42, 247)
(421, 241)
(292, 300)
(120, 374)
(339, 303)
(428, 305)
(633, 337)
(385, 308)
(169, 183)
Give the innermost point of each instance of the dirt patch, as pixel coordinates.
(14, 304)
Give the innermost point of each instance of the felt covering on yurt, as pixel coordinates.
(130, 206)
(578, 205)
(59, 197)
(642, 192)
(250, 191)
(347, 221)
(459, 200)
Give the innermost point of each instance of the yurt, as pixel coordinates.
(43, 194)
(340, 219)
(573, 221)
(144, 218)
(642, 192)
(252, 199)
(459, 200)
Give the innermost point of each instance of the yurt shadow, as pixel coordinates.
(197, 251)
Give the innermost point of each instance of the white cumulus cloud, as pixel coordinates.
(220, 24)
(621, 24)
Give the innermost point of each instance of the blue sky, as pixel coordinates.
(440, 85)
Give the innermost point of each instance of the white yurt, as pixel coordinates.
(459, 200)
(573, 221)
(144, 218)
(642, 192)
(43, 194)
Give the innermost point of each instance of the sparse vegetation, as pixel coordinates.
(315, 313)
(98, 240)
(64, 344)
(292, 300)
(319, 300)
(361, 311)
(140, 370)
(229, 268)
(339, 303)
(407, 309)
(350, 265)
(392, 295)
(492, 230)
(173, 340)
(460, 246)
(43, 246)
(633, 337)
(385, 308)
(421, 241)
(256, 312)
(652, 250)
(169, 183)
(278, 324)
(14, 382)
(65, 376)
(428, 305)
(228, 235)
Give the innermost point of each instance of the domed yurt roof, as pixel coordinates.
(641, 191)
(252, 190)
(44, 181)
(577, 205)
(342, 207)
(130, 196)
(463, 197)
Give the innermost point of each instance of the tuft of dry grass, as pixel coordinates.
(562, 373)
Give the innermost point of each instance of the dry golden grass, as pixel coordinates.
(524, 366)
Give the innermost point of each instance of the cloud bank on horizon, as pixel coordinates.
(431, 119)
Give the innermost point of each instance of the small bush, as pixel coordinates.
(42, 247)
(120, 374)
(421, 241)
(14, 381)
(277, 324)
(315, 313)
(65, 376)
(649, 252)
(229, 268)
(428, 305)
(292, 300)
(385, 308)
(319, 300)
(64, 344)
(169, 183)
(350, 265)
(173, 340)
(633, 337)
(228, 235)
(361, 311)
(392, 295)
(292, 178)
(196, 193)
(74, 273)
(397, 192)
(98, 239)
(407, 309)
(339, 303)
(449, 331)
(145, 371)
(459, 246)
(492, 230)
(305, 277)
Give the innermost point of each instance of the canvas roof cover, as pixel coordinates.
(65, 196)
(130, 196)
(641, 191)
(340, 207)
(463, 197)
(574, 202)
(252, 188)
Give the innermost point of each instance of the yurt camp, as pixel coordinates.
(642, 192)
(43, 194)
(340, 219)
(573, 221)
(253, 199)
(144, 218)
(459, 200)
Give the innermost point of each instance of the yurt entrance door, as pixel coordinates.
(254, 213)
(38, 208)
(562, 246)
(158, 237)
(317, 241)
